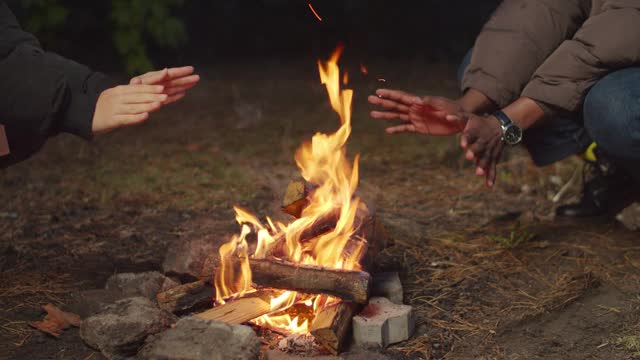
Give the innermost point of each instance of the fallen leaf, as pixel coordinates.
(56, 321)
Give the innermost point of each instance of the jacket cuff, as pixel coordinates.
(78, 119)
(489, 86)
(564, 97)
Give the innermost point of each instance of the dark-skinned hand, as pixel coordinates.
(426, 115)
(482, 140)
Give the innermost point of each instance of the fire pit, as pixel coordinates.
(308, 279)
(309, 275)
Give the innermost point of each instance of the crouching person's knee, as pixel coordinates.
(612, 113)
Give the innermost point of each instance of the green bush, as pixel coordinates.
(131, 23)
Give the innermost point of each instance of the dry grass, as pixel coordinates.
(21, 290)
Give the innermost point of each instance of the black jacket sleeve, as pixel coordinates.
(41, 93)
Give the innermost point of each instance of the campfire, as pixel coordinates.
(306, 276)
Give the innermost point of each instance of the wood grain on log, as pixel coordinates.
(241, 310)
(332, 325)
(186, 298)
(345, 284)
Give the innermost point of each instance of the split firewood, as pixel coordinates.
(296, 198)
(332, 324)
(345, 284)
(56, 321)
(243, 309)
(186, 298)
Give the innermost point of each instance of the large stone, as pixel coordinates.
(630, 217)
(147, 284)
(186, 256)
(382, 323)
(87, 303)
(120, 330)
(197, 339)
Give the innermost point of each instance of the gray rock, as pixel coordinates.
(147, 284)
(185, 257)
(121, 329)
(87, 303)
(198, 339)
(630, 217)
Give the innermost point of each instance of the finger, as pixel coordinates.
(132, 118)
(131, 109)
(460, 119)
(375, 100)
(178, 72)
(173, 98)
(479, 149)
(178, 89)
(386, 115)
(140, 88)
(492, 170)
(483, 162)
(401, 128)
(152, 77)
(399, 96)
(186, 80)
(144, 98)
(155, 77)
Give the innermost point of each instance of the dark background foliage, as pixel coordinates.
(136, 35)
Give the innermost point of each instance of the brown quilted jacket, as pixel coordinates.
(553, 51)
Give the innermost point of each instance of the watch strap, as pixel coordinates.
(503, 118)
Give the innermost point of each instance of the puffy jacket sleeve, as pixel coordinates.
(516, 40)
(43, 93)
(607, 41)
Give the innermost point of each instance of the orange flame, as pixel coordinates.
(322, 162)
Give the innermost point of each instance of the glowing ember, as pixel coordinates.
(314, 12)
(363, 69)
(322, 162)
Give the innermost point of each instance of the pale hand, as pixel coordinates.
(131, 104)
(176, 81)
(126, 105)
(426, 115)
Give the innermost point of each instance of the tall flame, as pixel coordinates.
(322, 162)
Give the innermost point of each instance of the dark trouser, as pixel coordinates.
(610, 117)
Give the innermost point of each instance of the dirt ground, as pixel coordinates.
(490, 273)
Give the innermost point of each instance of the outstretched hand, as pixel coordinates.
(176, 81)
(131, 104)
(426, 115)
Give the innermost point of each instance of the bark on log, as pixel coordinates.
(348, 285)
(332, 325)
(241, 310)
(186, 298)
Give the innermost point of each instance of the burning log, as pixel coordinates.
(332, 324)
(324, 224)
(241, 310)
(185, 298)
(345, 284)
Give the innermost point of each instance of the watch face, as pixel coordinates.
(512, 135)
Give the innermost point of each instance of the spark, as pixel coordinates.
(363, 69)
(314, 12)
